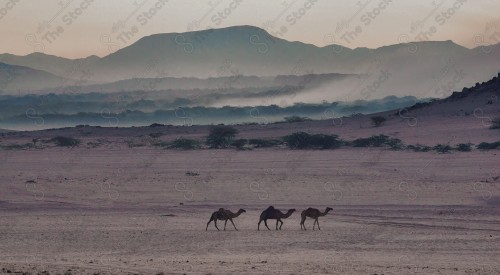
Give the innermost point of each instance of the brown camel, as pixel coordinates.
(273, 214)
(224, 215)
(312, 213)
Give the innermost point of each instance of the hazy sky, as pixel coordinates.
(78, 28)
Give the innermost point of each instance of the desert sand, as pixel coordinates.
(115, 209)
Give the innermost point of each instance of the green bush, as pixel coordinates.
(302, 140)
(291, 119)
(64, 141)
(495, 124)
(156, 135)
(221, 136)
(192, 174)
(464, 147)
(442, 148)
(17, 146)
(263, 143)
(239, 143)
(488, 146)
(183, 143)
(419, 148)
(377, 121)
(378, 141)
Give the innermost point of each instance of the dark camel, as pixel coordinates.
(273, 214)
(312, 213)
(224, 215)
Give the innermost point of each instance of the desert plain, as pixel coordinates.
(120, 208)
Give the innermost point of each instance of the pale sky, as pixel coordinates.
(79, 28)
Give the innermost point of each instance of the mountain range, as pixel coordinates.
(421, 69)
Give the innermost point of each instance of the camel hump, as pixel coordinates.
(270, 208)
(221, 209)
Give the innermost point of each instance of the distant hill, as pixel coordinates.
(422, 69)
(25, 79)
(481, 101)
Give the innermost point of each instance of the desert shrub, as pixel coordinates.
(377, 121)
(184, 144)
(192, 174)
(156, 135)
(464, 147)
(419, 148)
(263, 143)
(302, 140)
(133, 144)
(156, 125)
(378, 141)
(495, 124)
(239, 143)
(442, 148)
(221, 136)
(488, 146)
(291, 119)
(395, 144)
(17, 146)
(64, 141)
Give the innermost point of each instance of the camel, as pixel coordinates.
(273, 214)
(312, 213)
(224, 215)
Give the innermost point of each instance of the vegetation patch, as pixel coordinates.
(64, 141)
(495, 123)
(239, 143)
(464, 147)
(442, 148)
(419, 148)
(302, 140)
(221, 136)
(378, 141)
(377, 121)
(488, 146)
(291, 119)
(17, 146)
(264, 143)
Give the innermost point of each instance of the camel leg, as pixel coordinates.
(215, 222)
(302, 223)
(281, 224)
(265, 223)
(233, 224)
(208, 224)
(317, 221)
(258, 225)
(225, 225)
(314, 224)
(277, 224)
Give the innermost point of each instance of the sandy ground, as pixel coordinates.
(134, 210)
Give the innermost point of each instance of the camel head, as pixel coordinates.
(292, 210)
(328, 209)
(242, 211)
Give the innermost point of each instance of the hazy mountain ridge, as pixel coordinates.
(14, 78)
(421, 69)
